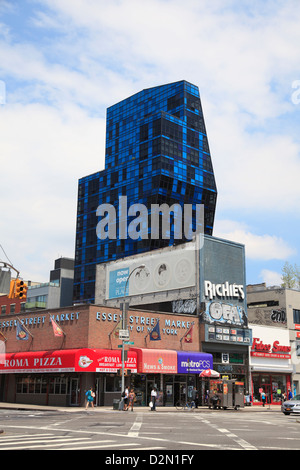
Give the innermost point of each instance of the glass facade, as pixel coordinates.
(156, 152)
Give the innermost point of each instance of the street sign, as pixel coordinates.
(123, 334)
(126, 342)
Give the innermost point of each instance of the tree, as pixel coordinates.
(297, 275)
(289, 276)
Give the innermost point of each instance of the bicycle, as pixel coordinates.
(189, 406)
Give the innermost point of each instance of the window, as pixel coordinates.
(58, 385)
(3, 309)
(296, 316)
(112, 383)
(33, 385)
(12, 308)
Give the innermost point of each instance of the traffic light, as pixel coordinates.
(21, 289)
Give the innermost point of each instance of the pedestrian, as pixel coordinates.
(290, 395)
(195, 397)
(153, 398)
(90, 395)
(131, 398)
(263, 398)
(126, 399)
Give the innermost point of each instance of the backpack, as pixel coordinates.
(123, 394)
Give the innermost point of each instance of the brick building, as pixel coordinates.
(48, 369)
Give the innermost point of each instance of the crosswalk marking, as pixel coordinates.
(98, 446)
(36, 441)
(17, 438)
(54, 443)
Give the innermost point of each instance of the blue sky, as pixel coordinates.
(63, 62)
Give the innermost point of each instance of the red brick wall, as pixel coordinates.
(90, 326)
(4, 300)
(139, 323)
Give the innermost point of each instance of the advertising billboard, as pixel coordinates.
(162, 271)
(223, 282)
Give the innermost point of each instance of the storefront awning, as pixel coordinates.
(193, 362)
(156, 361)
(65, 360)
(139, 360)
(110, 360)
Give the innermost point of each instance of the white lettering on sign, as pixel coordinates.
(223, 290)
(142, 324)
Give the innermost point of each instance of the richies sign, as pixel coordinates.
(222, 282)
(222, 307)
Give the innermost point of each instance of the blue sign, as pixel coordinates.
(117, 283)
(191, 362)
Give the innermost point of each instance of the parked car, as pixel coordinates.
(291, 406)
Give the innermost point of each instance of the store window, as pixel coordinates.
(112, 383)
(58, 385)
(33, 385)
(274, 387)
(278, 387)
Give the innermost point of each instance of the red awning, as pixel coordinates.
(156, 361)
(65, 360)
(110, 360)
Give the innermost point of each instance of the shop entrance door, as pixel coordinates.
(268, 394)
(74, 391)
(180, 392)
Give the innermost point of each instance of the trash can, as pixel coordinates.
(116, 403)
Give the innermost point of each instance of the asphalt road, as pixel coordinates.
(165, 434)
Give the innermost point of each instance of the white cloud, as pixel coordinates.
(43, 154)
(257, 247)
(271, 278)
(74, 58)
(259, 171)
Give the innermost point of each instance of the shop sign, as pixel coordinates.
(156, 361)
(44, 361)
(111, 361)
(145, 324)
(40, 319)
(225, 289)
(260, 349)
(193, 362)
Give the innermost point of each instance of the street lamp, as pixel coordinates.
(124, 325)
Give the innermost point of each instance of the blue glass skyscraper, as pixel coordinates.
(156, 152)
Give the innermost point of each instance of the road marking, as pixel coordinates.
(57, 442)
(106, 446)
(34, 436)
(241, 442)
(135, 428)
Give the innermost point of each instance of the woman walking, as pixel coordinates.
(131, 399)
(90, 395)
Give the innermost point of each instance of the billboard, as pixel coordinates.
(162, 271)
(223, 282)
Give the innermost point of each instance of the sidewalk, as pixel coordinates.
(159, 409)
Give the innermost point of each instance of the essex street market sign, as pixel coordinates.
(145, 324)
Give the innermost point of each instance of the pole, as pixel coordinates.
(124, 326)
